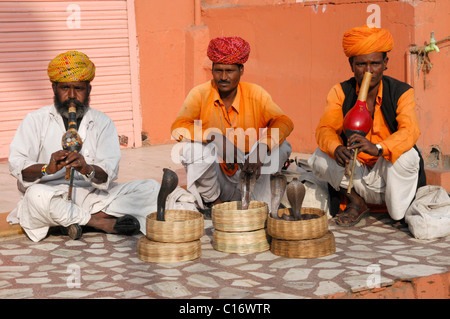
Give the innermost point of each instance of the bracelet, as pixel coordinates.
(91, 175)
(44, 173)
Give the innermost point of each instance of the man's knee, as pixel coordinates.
(198, 153)
(37, 196)
(408, 163)
(277, 158)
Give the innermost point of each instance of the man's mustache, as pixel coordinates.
(63, 106)
(224, 82)
(67, 103)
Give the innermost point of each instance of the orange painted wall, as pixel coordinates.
(171, 58)
(296, 55)
(432, 92)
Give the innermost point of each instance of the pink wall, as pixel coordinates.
(296, 56)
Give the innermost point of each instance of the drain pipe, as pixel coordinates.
(409, 79)
(197, 13)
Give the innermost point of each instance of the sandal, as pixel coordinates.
(74, 231)
(347, 219)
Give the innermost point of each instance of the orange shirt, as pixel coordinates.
(330, 126)
(252, 109)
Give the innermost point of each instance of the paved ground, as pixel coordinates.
(375, 252)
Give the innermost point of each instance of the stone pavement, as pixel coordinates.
(374, 255)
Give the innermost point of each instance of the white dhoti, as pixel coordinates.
(43, 205)
(393, 184)
(207, 182)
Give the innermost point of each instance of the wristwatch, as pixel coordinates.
(380, 149)
(91, 175)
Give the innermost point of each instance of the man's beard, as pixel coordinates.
(63, 107)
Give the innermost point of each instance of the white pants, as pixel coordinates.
(394, 184)
(207, 182)
(44, 205)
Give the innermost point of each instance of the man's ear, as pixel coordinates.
(386, 60)
(54, 84)
(241, 70)
(350, 61)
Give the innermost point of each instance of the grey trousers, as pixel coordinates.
(207, 182)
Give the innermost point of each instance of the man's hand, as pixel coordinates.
(68, 159)
(342, 155)
(256, 159)
(61, 159)
(363, 145)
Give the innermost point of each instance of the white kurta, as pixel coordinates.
(44, 202)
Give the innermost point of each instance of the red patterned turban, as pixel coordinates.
(366, 40)
(228, 50)
(71, 66)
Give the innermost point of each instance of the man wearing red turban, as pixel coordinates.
(389, 167)
(248, 129)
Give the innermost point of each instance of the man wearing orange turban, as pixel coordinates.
(38, 161)
(248, 129)
(365, 40)
(389, 167)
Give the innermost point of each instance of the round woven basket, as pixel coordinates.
(298, 229)
(229, 216)
(241, 242)
(179, 226)
(309, 248)
(156, 252)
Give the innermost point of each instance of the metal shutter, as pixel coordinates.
(33, 32)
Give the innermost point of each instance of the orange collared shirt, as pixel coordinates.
(252, 109)
(394, 144)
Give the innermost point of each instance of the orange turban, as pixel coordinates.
(228, 50)
(71, 66)
(366, 40)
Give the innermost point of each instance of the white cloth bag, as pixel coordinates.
(428, 216)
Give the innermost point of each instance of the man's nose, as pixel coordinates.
(72, 93)
(223, 76)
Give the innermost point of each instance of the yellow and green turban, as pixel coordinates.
(71, 66)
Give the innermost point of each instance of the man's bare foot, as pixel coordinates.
(354, 212)
(103, 222)
(125, 225)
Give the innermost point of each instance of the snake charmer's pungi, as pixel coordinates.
(243, 121)
(39, 162)
(389, 168)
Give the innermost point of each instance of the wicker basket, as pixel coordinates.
(310, 248)
(298, 229)
(241, 242)
(153, 251)
(179, 226)
(229, 217)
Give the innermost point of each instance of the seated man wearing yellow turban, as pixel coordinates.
(39, 163)
(248, 129)
(389, 167)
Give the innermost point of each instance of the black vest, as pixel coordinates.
(392, 91)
